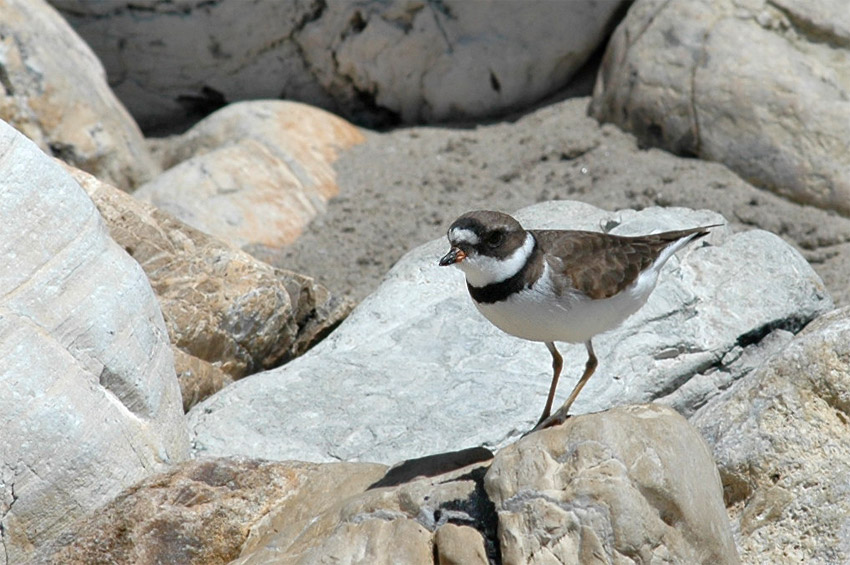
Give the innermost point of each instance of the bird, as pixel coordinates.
(558, 285)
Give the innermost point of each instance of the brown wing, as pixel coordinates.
(601, 265)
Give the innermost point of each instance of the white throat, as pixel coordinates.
(481, 270)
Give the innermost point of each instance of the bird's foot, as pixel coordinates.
(556, 419)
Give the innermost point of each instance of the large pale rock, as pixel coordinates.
(253, 172)
(453, 60)
(55, 92)
(204, 512)
(228, 314)
(375, 60)
(415, 368)
(89, 402)
(635, 484)
(780, 440)
(761, 86)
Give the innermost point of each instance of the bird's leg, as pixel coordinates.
(557, 365)
(562, 413)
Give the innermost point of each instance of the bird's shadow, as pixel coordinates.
(431, 466)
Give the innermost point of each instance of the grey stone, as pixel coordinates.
(227, 313)
(634, 484)
(54, 91)
(415, 368)
(375, 60)
(253, 172)
(779, 436)
(88, 394)
(760, 86)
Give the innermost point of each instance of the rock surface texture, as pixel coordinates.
(416, 368)
(375, 61)
(53, 89)
(205, 512)
(633, 484)
(228, 314)
(701, 79)
(89, 403)
(253, 172)
(780, 439)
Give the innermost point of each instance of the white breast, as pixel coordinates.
(538, 314)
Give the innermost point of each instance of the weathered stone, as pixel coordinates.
(88, 396)
(392, 524)
(203, 512)
(229, 313)
(780, 440)
(198, 378)
(253, 172)
(373, 60)
(459, 545)
(54, 91)
(416, 368)
(632, 484)
(702, 79)
(454, 60)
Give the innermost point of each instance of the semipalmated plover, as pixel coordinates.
(557, 285)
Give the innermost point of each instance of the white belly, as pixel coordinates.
(537, 314)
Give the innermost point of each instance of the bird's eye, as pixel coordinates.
(494, 239)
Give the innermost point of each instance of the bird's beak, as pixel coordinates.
(454, 255)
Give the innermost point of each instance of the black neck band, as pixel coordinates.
(496, 292)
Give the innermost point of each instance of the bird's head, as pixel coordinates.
(487, 246)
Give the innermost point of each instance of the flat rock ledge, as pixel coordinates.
(416, 368)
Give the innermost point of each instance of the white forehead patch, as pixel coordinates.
(481, 270)
(463, 235)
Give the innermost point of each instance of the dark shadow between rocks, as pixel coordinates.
(431, 466)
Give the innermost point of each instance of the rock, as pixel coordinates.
(55, 92)
(632, 484)
(88, 396)
(416, 368)
(456, 60)
(459, 545)
(702, 79)
(780, 439)
(253, 172)
(638, 481)
(371, 61)
(386, 525)
(204, 512)
(227, 313)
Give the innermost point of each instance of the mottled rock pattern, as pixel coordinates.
(54, 91)
(229, 313)
(89, 403)
(253, 172)
(203, 512)
(780, 439)
(465, 383)
(635, 484)
(373, 61)
(703, 79)
(383, 525)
